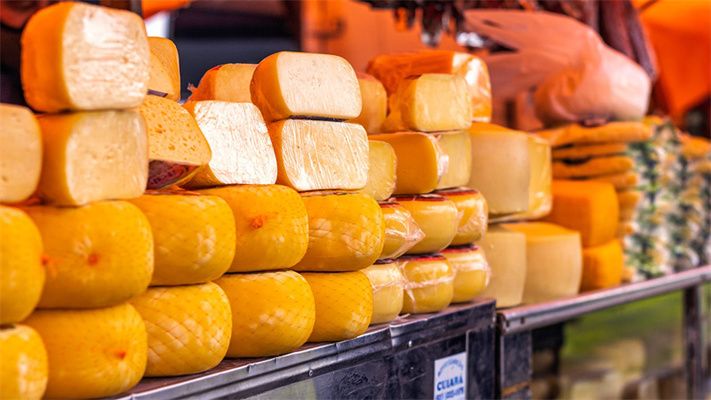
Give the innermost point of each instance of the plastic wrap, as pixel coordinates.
(471, 271)
(226, 82)
(438, 218)
(24, 358)
(506, 254)
(386, 281)
(401, 230)
(375, 103)
(457, 147)
(382, 170)
(473, 214)
(164, 68)
(602, 266)
(428, 283)
(20, 154)
(592, 167)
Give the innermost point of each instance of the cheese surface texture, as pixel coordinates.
(438, 218)
(420, 161)
(242, 151)
(78, 56)
(91, 156)
(457, 147)
(382, 170)
(387, 282)
(165, 68)
(505, 251)
(471, 271)
(226, 82)
(320, 155)
(603, 266)
(401, 230)
(24, 369)
(291, 84)
(375, 103)
(429, 283)
(20, 155)
(473, 214)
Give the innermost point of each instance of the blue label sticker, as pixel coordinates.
(450, 380)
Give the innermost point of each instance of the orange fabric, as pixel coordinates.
(151, 7)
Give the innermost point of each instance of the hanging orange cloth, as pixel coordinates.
(151, 7)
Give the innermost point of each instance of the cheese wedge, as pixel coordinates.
(382, 170)
(554, 261)
(386, 281)
(92, 353)
(77, 56)
(24, 369)
(22, 274)
(194, 237)
(273, 313)
(97, 255)
(226, 82)
(242, 151)
(344, 305)
(165, 68)
(603, 266)
(20, 155)
(188, 328)
(471, 271)
(438, 218)
(421, 163)
(621, 181)
(346, 232)
(593, 167)
(588, 207)
(473, 214)
(457, 147)
(429, 283)
(401, 230)
(582, 152)
(320, 155)
(501, 167)
(612, 132)
(271, 224)
(429, 103)
(506, 253)
(291, 84)
(375, 103)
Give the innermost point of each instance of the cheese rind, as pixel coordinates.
(20, 154)
(438, 218)
(386, 281)
(401, 230)
(164, 68)
(473, 214)
(457, 147)
(471, 271)
(603, 266)
(420, 161)
(24, 363)
(77, 56)
(382, 170)
(506, 253)
(375, 103)
(429, 283)
(226, 82)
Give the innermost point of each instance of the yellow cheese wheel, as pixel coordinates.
(77, 56)
(188, 327)
(457, 146)
(387, 282)
(97, 255)
(194, 237)
(272, 312)
(473, 214)
(438, 218)
(165, 68)
(401, 230)
(92, 353)
(382, 170)
(603, 266)
(346, 232)
(24, 371)
(20, 154)
(375, 103)
(22, 274)
(344, 305)
(471, 271)
(506, 253)
(429, 283)
(271, 224)
(226, 82)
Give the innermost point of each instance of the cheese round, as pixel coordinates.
(457, 147)
(382, 170)
(505, 251)
(226, 82)
(401, 230)
(20, 154)
(438, 218)
(24, 369)
(375, 103)
(387, 282)
(473, 212)
(471, 271)
(429, 283)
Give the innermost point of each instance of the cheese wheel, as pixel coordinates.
(22, 275)
(226, 82)
(438, 218)
(429, 103)
(20, 154)
(24, 369)
(603, 266)
(553, 261)
(77, 56)
(382, 170)
(177, 146)
(429, 283)
(188, 328)
(165, 68)
(98, 255)
(291, 84)
(320, 155)
(346, 232)
(386, 281)
(375, 103)
(344, 305)
(92, 156)
(194, 237)
(273, 313)
(92, 353)
(271, 224)
(242, 151)
(611, 132)
(473, 214)
(506, 253)
(420, 161)
(457, 147)
(471, 271)
(401, 230)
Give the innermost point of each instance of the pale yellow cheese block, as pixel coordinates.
(429, 283)
(24, 369)
(471, 271)
(165, 68)
(20, 153)
(92, 156)
(242, 151)
(505, 251)
(387, 282)
(382, 170)
(473, 214)
(292, 84)
(421, 163)
(320, 155)
(438, 218)
(401, 230)
(375, 103)
(457, 147)
(77, 56)
(226, 82)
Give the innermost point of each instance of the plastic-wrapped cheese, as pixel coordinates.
(189, 328)
(421, 163)
(382, 170)
(77, 56)
(97, 255)
(273, 313)
(602, 266)
(242, 151)
(320, 155)
(24, 369)
(271, 223)
(20, 154)
(346, 232)
(506, 253)
(429, 283)
(375, 103)
(91, 156)
(457, 147)
(165, 68)
(473, 214)
(291, 84)
(194, 237)
(387, 282)
(471, 271)
(438, 218)
(401, 230)
(553, 261)
(92, 353)
(344, 305)
(226, 82)
(22, 274)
